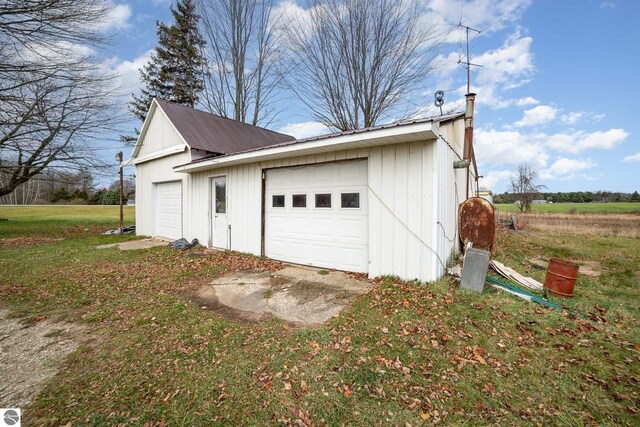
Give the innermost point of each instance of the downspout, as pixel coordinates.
(468, 136)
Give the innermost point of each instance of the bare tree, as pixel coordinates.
(56, 99)
(241, 52)
(353, 60)
(524, 187)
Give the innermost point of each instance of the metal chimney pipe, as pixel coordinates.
(468, 132)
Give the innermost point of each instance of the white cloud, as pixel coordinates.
(607, 5)
(537, 115)
(571, 118)
(509, 66)
(486, 15)
(565, 168)
(581, 140)
(513, 147)
(304, 129)
(127, 72)
(508, 147)
(632, 158)
(524, 102)
(288, 13)
(117, 18)
(496, 179)
(55, 52)
(505, 68)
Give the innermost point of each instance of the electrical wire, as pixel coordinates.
(407, 227)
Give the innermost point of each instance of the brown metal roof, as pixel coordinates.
(215, 134)
(437, 119)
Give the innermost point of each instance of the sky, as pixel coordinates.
(554, 89)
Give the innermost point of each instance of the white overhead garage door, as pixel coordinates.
(168, 213)
(318, 215)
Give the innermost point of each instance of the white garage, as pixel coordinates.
(381, 200)
(317, 215)
(169, 209)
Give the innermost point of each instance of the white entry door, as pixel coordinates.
(318, 215)
(168, 212)
(219, 224)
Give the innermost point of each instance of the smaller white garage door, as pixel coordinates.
(168, 213)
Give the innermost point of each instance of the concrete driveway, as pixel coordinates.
(300, 295)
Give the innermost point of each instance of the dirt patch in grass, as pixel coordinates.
(31, 353)
(294, 294)
(26, 242)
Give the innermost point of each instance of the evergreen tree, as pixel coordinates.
(635, 197)
(177, 68)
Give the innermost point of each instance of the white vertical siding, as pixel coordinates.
(452, 187)
(413, 195)
(160, 134)
(402, 204)
(244, 196)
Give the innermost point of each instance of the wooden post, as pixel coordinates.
(119, 157)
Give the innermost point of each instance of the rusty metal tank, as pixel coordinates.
(477, 223)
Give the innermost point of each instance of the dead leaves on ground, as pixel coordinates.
(27, 242)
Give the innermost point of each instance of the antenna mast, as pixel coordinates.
(467, 63)
(469, 157)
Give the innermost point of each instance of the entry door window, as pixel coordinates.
(221, 196)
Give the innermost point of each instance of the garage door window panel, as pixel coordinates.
(277, 201)
(323, 200)
(350, 200)
(299, 200)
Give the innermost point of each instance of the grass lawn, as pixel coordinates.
(52, 220)
(593, 208)
(405, 353)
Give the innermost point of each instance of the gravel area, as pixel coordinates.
(31, 354)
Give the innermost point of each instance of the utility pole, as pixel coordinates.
(119, 159)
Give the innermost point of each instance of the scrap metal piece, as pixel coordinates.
(510, 273)
(477, 223)
(474, 269)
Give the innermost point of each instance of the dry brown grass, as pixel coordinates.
(609, 225)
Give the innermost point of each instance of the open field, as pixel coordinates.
(577, 208)
(51, 220)
(404, 353)
(614, 225)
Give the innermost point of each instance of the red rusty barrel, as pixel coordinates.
(561, 277)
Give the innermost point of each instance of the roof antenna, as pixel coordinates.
(439, 95)
(467, 63)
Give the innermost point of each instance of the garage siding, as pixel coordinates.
(403, 207)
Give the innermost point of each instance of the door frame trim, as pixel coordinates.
(210, 209)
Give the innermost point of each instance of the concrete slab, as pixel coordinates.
(135, 244)
(296, 294)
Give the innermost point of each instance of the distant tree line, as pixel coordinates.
(63, 187)
(573, 197)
